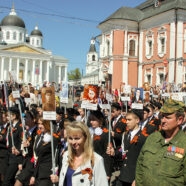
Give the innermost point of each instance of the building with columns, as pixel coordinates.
(144, 44)
(24, 58)
(92, 66)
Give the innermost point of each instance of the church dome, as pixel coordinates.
(13, 20)
(36, 32)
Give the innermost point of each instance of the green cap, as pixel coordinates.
(171, 106)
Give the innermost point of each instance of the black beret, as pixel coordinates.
(116, 105)
(157, 104)
(146, 109)
(138, 113)
(96, 114)
(59, 111)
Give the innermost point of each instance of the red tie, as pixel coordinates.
(115, 121)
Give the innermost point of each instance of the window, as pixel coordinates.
(20, 36)
(14, 36)
(8, 35)
(108, 48)
(162, 41)
(161, 78)
(33, 41)
(150, 48)
(93, 58)
(149, 79)
(37, 42)
(132, 48)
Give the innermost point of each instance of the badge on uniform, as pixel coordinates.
(178, 152)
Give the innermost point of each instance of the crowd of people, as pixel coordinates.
(122, 146)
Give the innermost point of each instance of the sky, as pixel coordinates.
(67, 25)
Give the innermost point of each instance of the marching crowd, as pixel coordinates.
(145, 146)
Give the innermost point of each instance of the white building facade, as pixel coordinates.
(23, 57)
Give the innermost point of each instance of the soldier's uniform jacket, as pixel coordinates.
(161, 163)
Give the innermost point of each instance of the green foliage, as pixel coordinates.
(74, 74)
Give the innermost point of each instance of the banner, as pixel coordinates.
(64, 92)
(48, 103)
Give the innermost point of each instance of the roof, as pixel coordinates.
(95, 72)
(92, 48)
(165, 6)
(12, 20)
(59, 58)
(36, 33)
(145, 4)
(126, 13)
(146, 10)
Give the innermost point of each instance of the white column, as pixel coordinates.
(40, 71)
(125, 71)
(125, 48)
(47, 73)
(2, 68)
(172, 52)
(179, 69)
(59, 77)
(65, 77)
(33, 72)
(140, 74)
(18, 60)
(10, 64)
(26, 71)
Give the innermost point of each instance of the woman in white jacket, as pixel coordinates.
(81, 166)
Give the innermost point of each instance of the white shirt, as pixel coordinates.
(116, 120)
(144, 124)
(133, 133)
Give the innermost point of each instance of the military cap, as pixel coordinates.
(14, 110)
(171, 106)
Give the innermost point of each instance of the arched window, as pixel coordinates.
(8, 35)
(33, 41)
(14, 35)
(162, 42)
(150, 47)
(132, 48)
(93, 58)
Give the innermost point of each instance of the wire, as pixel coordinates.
(28, 12)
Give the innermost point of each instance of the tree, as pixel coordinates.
(74, 74)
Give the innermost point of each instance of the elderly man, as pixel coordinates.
(162, 160)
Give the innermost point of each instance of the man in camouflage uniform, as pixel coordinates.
(162, 160)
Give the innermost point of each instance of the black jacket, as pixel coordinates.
(129, 160)
(118, 130)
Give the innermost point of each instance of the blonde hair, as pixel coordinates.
(88, 153)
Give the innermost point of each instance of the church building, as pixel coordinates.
(144, 44)
(22, 56)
